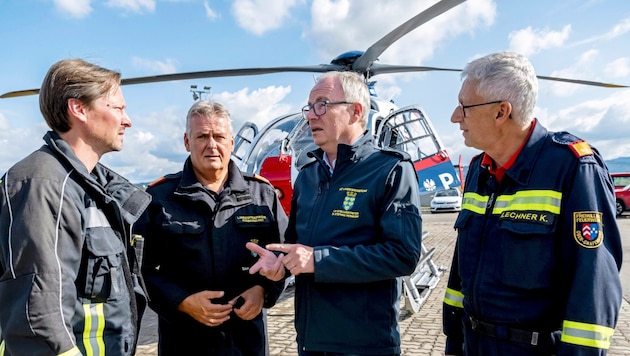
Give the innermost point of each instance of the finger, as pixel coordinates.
(256, 248)
(279, 247)
(212, 294)
(256, 267)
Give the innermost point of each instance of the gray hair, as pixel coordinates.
(208, 109)
(506, 76)
(73, 79)
(354, 90)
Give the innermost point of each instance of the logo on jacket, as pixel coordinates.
(588, 228)
(348, 203)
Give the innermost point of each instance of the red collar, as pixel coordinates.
(499, 171)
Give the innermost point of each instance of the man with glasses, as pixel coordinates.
(536, 264)
(354, 227)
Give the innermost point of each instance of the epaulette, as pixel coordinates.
(261, 178)
(579, 147)
(257, 177)
(157, 181)
(165, 178)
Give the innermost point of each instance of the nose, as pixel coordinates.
(457, 116)
(126, 121)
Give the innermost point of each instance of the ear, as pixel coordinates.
(186, 142)
(505, 111)
(77, 109)
(357, 112)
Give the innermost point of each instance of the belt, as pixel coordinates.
(533, 338)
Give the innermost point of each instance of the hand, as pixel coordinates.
(268, 264)
(298, 259)
(254, 300)
(201, 308)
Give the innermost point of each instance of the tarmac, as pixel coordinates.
(421, 332)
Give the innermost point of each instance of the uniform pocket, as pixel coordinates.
(527, 255)
(104, 279)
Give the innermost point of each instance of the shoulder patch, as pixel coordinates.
(255, 176)
(588, 231)
(579, 147)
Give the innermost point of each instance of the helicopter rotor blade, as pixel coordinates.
(321, 68)
(585, 82)
(363, 63)
(378, 68)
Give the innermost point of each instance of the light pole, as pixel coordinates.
(196, 93)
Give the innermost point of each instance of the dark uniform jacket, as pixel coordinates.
(364, 222)
(539, 252)
(66, 283)
(195, 241)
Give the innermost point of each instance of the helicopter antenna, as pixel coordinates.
(197, 93)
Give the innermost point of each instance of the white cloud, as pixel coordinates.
(161, 67)
(258, 106)
(604, 123)
(210, 13)
(618, 68)
(260, 16)
(577, 70)
(340, 26)
(529, 41)
(74, 8)
(133, 5)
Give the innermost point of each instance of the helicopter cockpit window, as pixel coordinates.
(269, 143)
(408, 131)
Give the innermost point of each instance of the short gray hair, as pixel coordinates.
(506, 76)
(208, 109)
(354, 90)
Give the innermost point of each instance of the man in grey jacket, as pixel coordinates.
(68, 273)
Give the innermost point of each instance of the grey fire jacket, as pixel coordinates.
(66, 264)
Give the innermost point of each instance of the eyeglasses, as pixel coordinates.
(319, 107)
(463, 107)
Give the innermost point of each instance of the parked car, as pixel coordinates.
(446, 200)
(622, 191)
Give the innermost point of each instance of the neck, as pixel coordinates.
(212, 180)
(84, 152)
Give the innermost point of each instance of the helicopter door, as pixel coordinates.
(243, 140)
(410, 130)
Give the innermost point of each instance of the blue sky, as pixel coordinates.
(567, 38)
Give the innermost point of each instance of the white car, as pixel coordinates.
(446, 200)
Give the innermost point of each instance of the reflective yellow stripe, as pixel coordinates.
(454, 298)
(529, 200)
(474, 202)
(72, 352)
(584, 334)
(2, 348)
(93, 329)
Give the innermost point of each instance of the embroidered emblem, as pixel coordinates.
(255, 241)
(588, 228)
(348, 203)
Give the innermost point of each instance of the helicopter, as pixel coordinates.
(277, 151)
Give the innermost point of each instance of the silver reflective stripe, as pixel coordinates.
(9, 237)
(57, 228)
(96, 218)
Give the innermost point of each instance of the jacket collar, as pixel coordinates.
(109, 185)
(522, 168)
(348, 153)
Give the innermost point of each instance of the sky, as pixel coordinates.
(585, 39)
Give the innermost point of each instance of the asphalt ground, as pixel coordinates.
(421, 332)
